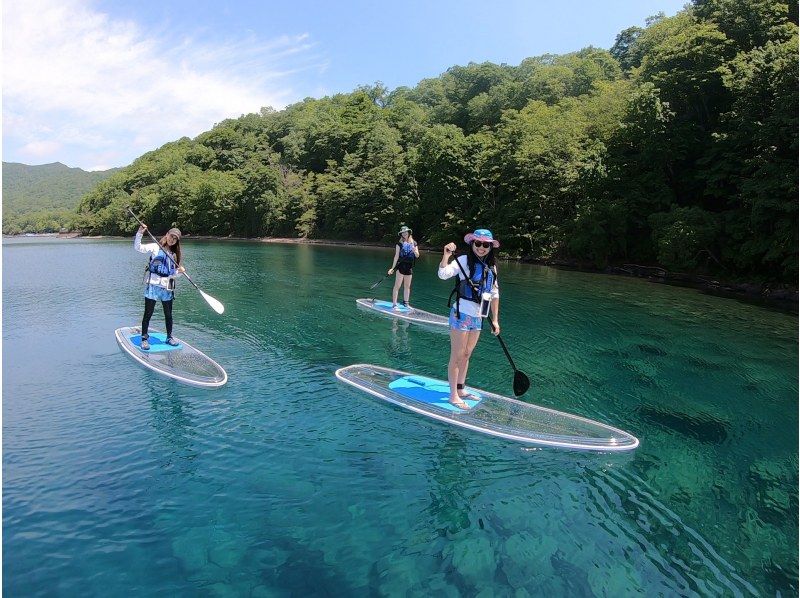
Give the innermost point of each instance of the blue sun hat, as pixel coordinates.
(481, 234)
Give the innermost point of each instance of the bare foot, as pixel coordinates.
(458, 402)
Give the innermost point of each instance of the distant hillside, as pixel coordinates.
(46, 187)
(44, 198)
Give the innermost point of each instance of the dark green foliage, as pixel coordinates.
(625, 49)
(677, 147)
(684, 237)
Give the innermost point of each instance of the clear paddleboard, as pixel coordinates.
(489, 413)
(181, 362)
(410, 314)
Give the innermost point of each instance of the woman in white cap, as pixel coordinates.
(477, 297)
(405, 252)
(165, 264)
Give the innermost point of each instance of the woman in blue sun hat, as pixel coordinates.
(477, 295)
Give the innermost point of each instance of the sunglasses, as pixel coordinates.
(479, 244)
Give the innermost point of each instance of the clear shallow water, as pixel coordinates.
(285, 482)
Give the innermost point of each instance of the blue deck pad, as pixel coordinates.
(429, 391)
(387, 306)
(158, 342)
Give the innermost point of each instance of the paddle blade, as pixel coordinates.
(215, 305)
(521, 383)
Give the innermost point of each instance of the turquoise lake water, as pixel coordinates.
(117, 481)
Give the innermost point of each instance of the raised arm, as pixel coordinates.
(151, 248)
(448, 270)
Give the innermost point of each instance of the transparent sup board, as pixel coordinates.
(490, 414)
(183, 362)
(410, 314)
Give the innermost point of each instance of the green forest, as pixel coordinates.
(676, 147)
(44, 198)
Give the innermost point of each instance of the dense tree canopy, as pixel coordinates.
(677, 147)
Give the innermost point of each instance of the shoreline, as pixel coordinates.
(781, 297)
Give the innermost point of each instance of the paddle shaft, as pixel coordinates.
(475, 290)
(159, 244)
(384, 277)
(505, 349)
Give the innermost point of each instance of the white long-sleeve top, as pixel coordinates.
(469, 308)
(151, 248)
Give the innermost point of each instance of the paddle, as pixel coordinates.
(214, 303)
(521, 382)
(384, 277)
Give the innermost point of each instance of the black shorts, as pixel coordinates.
(405, 268)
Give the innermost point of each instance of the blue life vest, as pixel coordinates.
(480, 281)
(406, 252)
(162, 265)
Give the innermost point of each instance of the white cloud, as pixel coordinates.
(77, 79)
(40, 149)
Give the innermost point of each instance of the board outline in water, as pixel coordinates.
(442, 324)
(136, 354)
(455, 418)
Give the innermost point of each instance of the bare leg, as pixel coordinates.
(472, 340)
(458, 345)
(407, 288)
(398, 280)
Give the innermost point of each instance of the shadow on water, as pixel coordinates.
(448, 523)
(450, 504)
(699, 427)
(690, 564)
(175, 426)
(575, 579)
(305, 572)
(651, 350)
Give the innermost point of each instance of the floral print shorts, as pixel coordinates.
(465, 323)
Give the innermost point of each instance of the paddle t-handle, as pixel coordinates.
(215, 304)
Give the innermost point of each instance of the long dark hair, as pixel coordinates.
(174, 249)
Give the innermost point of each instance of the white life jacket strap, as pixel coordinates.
(165, 282)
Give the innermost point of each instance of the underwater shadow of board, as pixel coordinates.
(702, 428)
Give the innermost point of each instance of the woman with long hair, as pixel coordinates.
(165, 264)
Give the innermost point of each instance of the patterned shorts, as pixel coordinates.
(158, 293)
(465, 323)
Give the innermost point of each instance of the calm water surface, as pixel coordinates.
(117, 481)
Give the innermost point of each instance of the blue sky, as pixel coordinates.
(97, 83)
